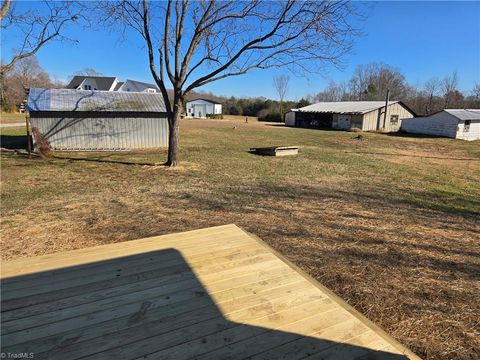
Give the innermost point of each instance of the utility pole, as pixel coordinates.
(386, 107)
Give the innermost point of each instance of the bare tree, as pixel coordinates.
(88, 72)
(475, 96)
(26, 73)
(193, 43)
(449, 85)
(432, 89)
(371, 81)
(280, 82)
(36, 28)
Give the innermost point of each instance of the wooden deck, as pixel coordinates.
(217, 293)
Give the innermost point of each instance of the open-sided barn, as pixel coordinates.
(98, 120)
(454, 123)
(345, 115)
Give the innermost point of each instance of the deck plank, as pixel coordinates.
(209, 293)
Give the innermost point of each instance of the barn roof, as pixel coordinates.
(345, 107)
(465, 114)
(88, 100)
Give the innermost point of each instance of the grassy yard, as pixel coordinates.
(390, 223)
(9, 118)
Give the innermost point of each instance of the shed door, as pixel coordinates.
(344, 122)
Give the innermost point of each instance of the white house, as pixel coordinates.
(200, 108)
(108, 83)
(136, 86)
(105, 83)
(454, 123)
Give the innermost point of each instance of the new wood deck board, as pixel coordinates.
(217, 293)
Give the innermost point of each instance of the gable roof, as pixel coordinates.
(346, 107)
(118, 86)
(103, 82)
(88, 100)
(207, 100)
(464, 114)
(139, 85)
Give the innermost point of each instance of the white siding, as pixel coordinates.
(200, 108)
(88, 84)
(472, 134)
(102, 134)
(218, 109)
(441, 124)
(290, 118)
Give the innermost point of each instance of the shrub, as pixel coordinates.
(214, 116)
(355, 129)
(273, 117)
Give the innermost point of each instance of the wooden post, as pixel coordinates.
(386, 108)
(29, 145)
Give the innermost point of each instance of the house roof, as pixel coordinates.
(87, 100)
(139, 85)
(465, 114)
(207, 100)
(118, 86)
(345, 107)
(103, 82)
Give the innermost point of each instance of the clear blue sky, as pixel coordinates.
(423, 39)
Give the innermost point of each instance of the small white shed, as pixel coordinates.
(454, 123)
(200, 108)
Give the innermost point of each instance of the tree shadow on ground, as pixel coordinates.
(149, 305)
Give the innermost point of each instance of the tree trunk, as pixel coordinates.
(174, 135)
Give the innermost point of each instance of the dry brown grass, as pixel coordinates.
(391, 224)
(10, 118)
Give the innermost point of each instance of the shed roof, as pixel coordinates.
(465, 114)
(88, 100)
(207, 100)
(103, 82)
(345, 107)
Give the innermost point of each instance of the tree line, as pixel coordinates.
(369, 82)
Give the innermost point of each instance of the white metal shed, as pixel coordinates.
(454, 123)
(200, 108)
(87, 120)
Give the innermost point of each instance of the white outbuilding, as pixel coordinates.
(454, 123)
(200, 108)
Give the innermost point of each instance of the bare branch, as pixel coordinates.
(37, 30)
(4, 9)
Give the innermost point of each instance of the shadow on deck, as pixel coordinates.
(149, 305)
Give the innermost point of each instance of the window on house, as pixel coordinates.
(466, 126)
(151, 90)
(88, 87)
(393, 119)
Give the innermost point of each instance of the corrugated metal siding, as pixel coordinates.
(441, 124)
(103, 134)
(371, 119)
(472, 134)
